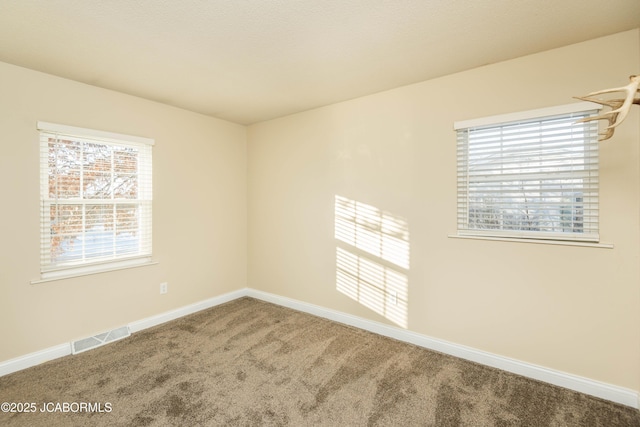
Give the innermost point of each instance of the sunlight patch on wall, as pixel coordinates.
(375, 286)
(372, 258)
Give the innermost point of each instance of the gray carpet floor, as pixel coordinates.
(251, 363)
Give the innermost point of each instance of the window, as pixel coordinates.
(529, 175)
(95, 200)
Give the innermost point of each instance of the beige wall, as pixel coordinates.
(199, 218)
(568, 308)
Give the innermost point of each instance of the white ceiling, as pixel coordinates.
(252, 60)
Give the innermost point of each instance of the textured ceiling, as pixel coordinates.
(252, 60)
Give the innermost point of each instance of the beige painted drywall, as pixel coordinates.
(568, 308)
(199, 217)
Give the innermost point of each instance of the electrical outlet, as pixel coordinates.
(164, 287)
(394, 298)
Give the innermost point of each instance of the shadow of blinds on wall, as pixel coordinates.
(372, 258)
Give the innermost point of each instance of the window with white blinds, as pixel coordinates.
(533, 175)
(96, 199)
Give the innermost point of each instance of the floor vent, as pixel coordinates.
(99, 340)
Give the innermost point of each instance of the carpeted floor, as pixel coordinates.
(251, 363)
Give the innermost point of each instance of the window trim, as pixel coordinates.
(516, 235)
(99, 134)
(83, 268)
(576, 107)
(583, 244)
(95, 268)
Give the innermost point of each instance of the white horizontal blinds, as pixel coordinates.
(533, 178)
(96, 196)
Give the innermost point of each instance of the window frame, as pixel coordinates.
(465, 230)
(91, 265)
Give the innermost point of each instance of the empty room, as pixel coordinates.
(332, 213)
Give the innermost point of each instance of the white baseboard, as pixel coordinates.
(602, 390)
(35, 358)
(51, 353)
(599, 389)
(184, 311)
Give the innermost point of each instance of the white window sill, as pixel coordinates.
(86, 270)
(537, 241)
